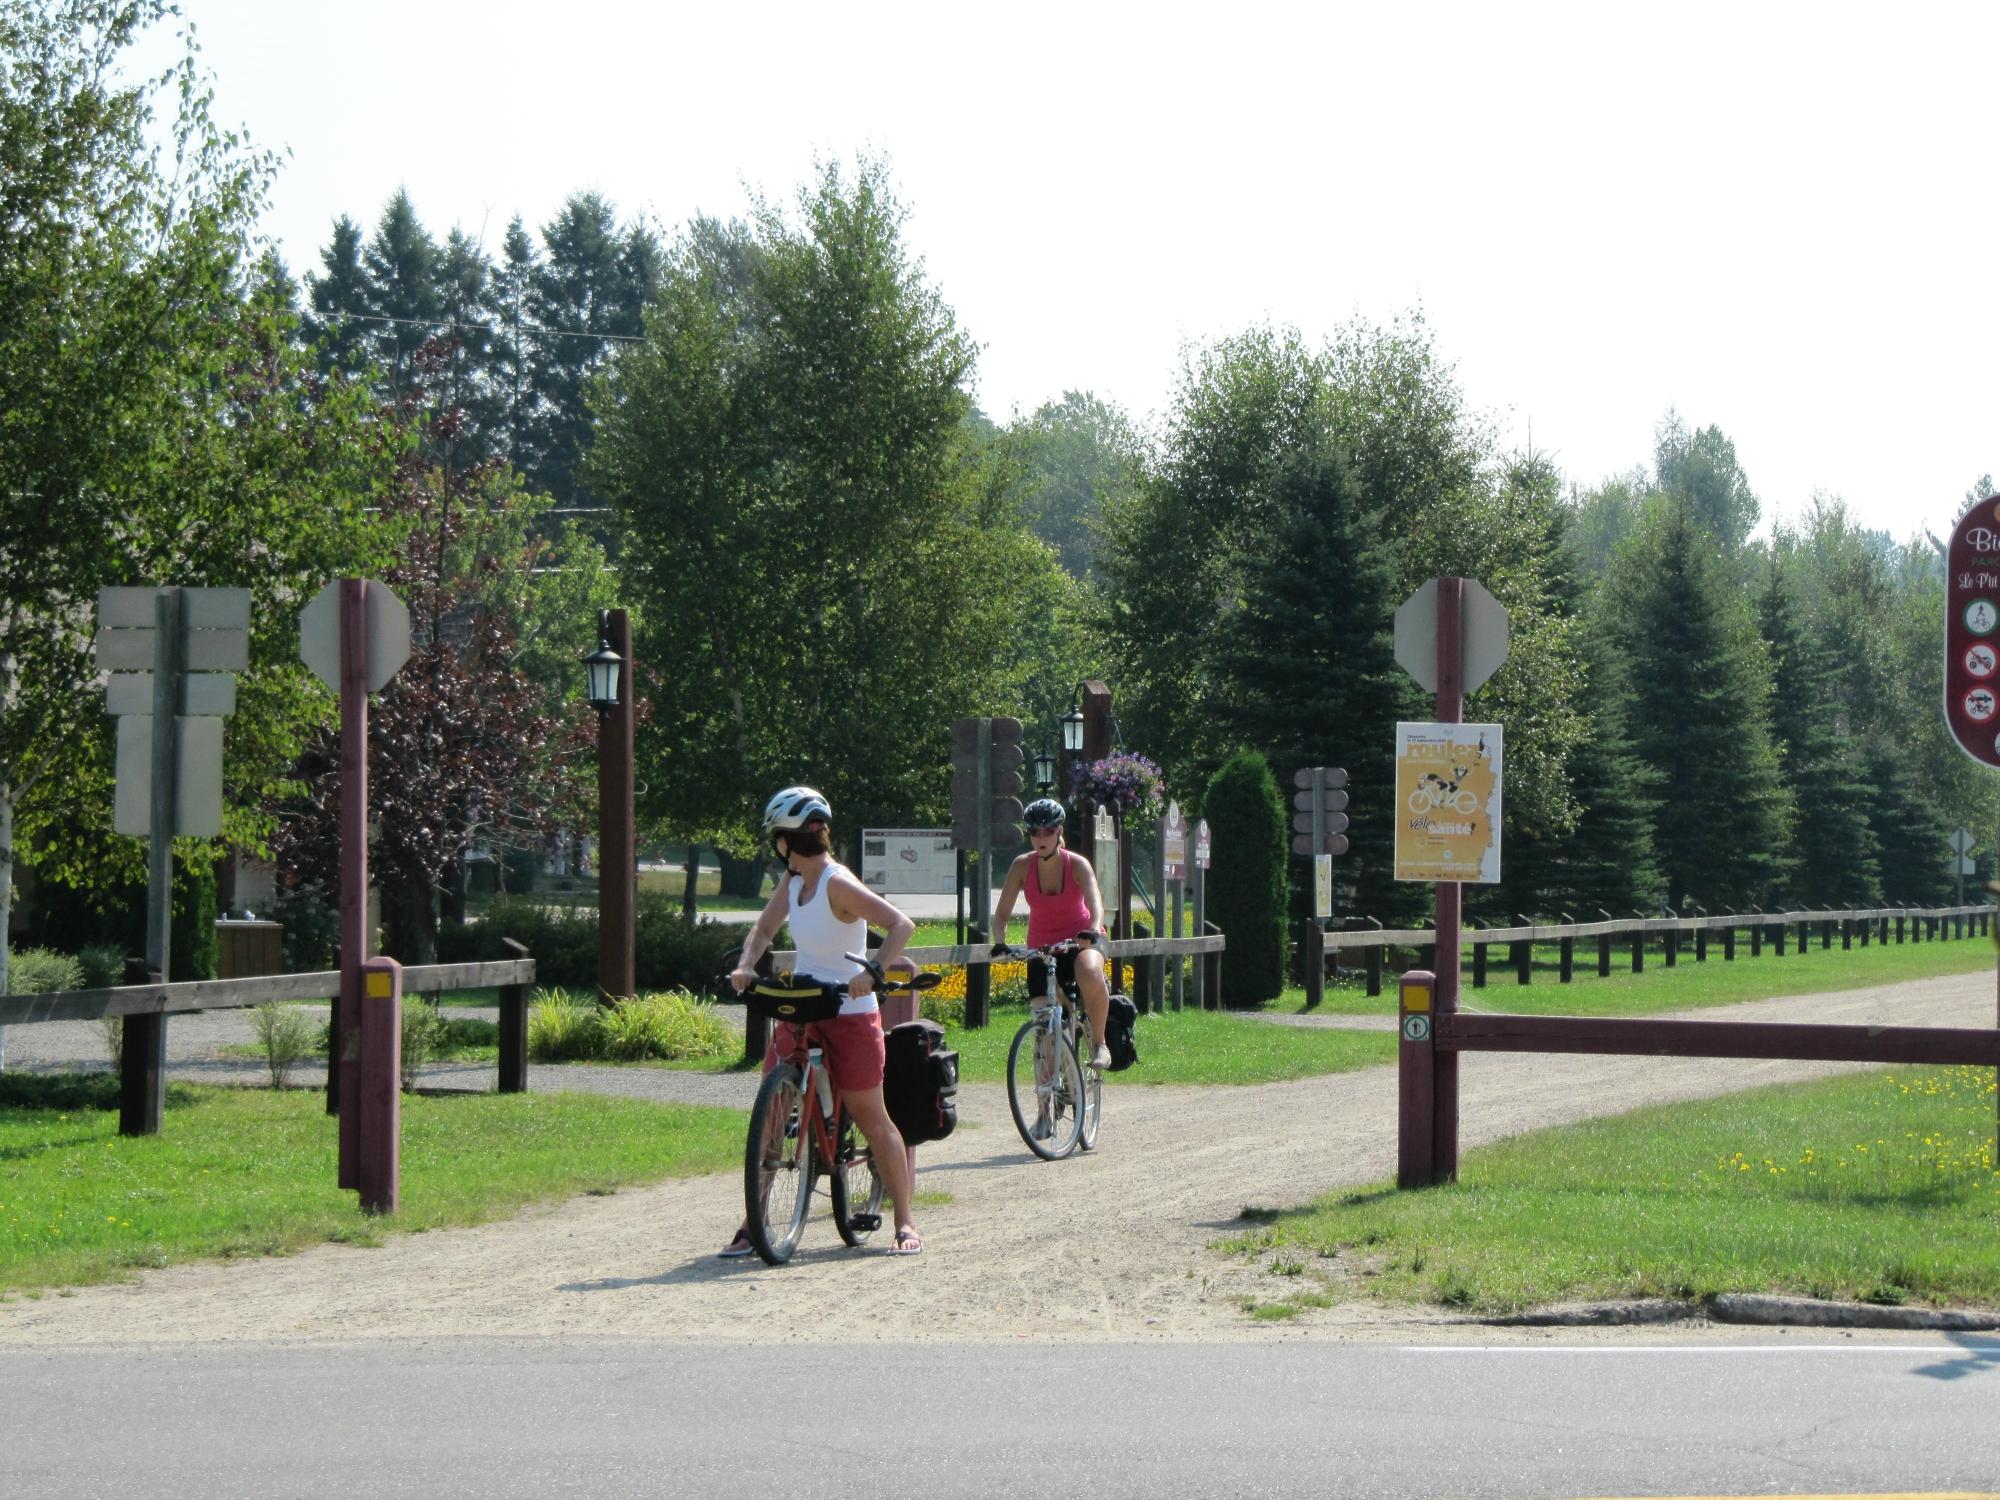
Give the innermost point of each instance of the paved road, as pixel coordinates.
(504, 1417)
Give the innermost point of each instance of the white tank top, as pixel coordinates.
(823, 941)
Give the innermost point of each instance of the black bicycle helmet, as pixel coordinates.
(1044, 812)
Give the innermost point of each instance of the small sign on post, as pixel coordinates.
(1104, 859)
(1448, 802)
(909, 861)
(1174, 842)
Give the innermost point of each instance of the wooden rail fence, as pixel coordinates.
(1669, 934)
(145, 1008)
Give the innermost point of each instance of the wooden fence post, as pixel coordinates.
(142, 1062)
(979, 979)
(1638, 952)
(514, 1030)
(1479, 966)
(1374, 962)
(1604, 955)
(1672, 938)
(1729, 945)
(1524, 961)
(1568, 959)
(1701, 945)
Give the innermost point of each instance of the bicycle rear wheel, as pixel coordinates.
(777, 1166)
(1091, 1112)
(855, 1184)
(1044, 1091)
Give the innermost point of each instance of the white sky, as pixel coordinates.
(1780, 219)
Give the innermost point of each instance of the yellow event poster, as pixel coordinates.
(1448, 802)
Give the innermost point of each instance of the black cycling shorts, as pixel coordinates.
(1038, 976)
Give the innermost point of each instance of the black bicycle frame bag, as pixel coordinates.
(920, 1082)
(1119, 1022)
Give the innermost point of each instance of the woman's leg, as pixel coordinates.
(1096, 992)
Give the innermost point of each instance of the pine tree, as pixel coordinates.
(509, 377)
(1606, 861)
(1700, 714)
(400, 292)
(1305, 668)
(1910, 834)
(338, 296)
(577, 295)
(1835, 847)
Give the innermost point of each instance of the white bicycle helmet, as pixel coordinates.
(793, 808)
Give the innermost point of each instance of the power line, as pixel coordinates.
(566, 333)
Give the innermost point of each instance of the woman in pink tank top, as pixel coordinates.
(1063, 900)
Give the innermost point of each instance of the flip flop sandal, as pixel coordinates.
(907, 1243)
(736, 1249)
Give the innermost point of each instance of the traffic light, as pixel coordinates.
(1005, 755)
(987, 750)
(1319, 826)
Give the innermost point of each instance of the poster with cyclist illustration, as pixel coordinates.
(1448, 802)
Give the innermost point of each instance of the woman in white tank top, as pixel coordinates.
(829, 911)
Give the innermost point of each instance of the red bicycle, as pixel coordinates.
(790, 1147)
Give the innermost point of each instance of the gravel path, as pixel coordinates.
(1114, 1245)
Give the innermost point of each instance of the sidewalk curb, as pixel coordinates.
(1750, 1308)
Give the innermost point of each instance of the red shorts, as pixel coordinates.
(852, 1046)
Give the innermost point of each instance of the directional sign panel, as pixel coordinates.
(1972, 633)
(1483, 620)
(202, 693)
(197, 779)
(1961, 841)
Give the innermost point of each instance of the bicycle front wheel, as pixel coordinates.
(1044, 1091)
(1091, 1111)
(777, 1167)
(855, 1183)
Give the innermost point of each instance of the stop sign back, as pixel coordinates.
(1972, 633)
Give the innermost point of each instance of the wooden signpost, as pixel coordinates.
(355, 635)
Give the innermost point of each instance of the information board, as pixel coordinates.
(909, 861)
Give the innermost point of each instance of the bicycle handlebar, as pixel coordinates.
(1085, 939)
(730, 995)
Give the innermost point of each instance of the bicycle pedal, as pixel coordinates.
(864, 1223)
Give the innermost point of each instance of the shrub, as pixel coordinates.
(311, 920)
(43, 971)
(423, 1035)
(195, 950)
(674, 953)
(286, 1034)
(669, 1026)
(103, 966)
(670, 952)
(559, 1026)
(1246, 884)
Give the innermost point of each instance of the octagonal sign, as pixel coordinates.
(388, 634)
(1484, 634)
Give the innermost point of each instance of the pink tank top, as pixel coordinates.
(1052, 919)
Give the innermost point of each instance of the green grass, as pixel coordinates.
(1194, 1047)
(251, 1172)
(1879, 1186)
(1686, 986)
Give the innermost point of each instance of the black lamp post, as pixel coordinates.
(610, 692)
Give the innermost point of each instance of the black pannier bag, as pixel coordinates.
(1118, 1024)
(920, 1081)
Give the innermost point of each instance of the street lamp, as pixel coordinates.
(601, 666)
(1072, 727)
(1045, 768)
(617, 870)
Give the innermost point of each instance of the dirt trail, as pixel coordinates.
(1114, 1245)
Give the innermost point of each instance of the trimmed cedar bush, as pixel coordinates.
(1246, 882)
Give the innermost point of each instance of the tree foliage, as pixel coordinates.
(787, 451)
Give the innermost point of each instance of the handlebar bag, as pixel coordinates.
(920, 1081)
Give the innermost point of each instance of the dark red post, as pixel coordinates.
(617, 869)
(1416, 1082)
(379, 1104)
(344, 1066)
(1450, 710)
